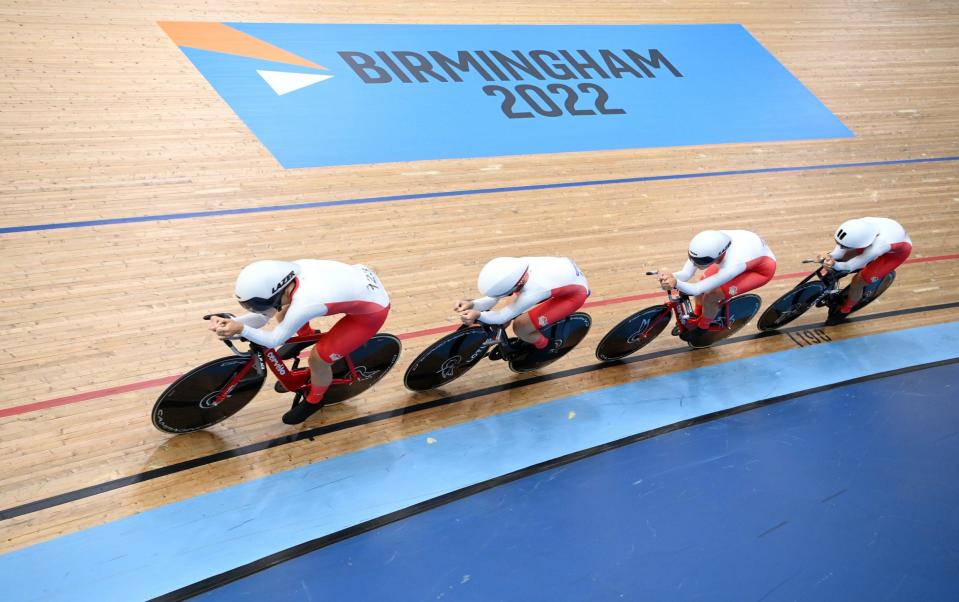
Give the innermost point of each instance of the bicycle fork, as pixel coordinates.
(233, 382)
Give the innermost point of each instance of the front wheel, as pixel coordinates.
(447, 359)
(633, 333)
(187, 404)
(790, 306)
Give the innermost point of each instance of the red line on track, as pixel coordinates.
(156, 382)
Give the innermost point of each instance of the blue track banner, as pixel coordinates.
(320, 95)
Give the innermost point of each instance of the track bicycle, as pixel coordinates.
(819, 289)
(218, 389)
(456, 353)
(639, 329)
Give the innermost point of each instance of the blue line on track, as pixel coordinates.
(455, 193)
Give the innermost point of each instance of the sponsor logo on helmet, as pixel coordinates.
(874, 279)
(543, 321)
(286, 280)
(335, 356)
(732, 290)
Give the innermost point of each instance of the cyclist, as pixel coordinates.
(873, 245)
(295, 293)
(735, 262)
(547, 290)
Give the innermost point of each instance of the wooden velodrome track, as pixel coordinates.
(104, 117)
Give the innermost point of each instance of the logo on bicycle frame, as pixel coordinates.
(277, 364)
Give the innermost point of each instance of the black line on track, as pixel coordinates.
(85, 492)
(211, 583)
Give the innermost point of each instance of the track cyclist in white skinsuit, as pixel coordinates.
(735, 262)
(547, 290)
(295, 292)
(873, 245)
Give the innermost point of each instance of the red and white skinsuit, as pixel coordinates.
(554, 289)
(325, 288)
(887, 252)
(746, 265)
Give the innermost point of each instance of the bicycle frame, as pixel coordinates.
(830, 279)
(277, 366)
(679, 306)
(496, 336)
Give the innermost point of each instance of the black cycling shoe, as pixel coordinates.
(835, 317)
(675, 331)
(279, 388)
(301, 412)
(690, 333)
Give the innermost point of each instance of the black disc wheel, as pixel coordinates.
(447, 359)
(790, 306)
(563, 336)
(633, 333)
(189, 405)
(872, 291)
(741, 311)
(372, 361)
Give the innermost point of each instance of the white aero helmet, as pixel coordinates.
(259, 287)
(856, 233)
(707, 247)
(502, 276)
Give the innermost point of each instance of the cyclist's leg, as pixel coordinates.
(875, 271)
(351, 331)
(758, 273)
(566, 300)
(700, 300)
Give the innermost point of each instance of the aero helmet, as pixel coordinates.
(707, 247)
(856, 234)
(260, 285)
(502, 276)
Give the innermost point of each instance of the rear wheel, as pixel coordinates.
(447, 359)
(187, 405)
(790, 306)
(563, 336)
(741, 311)
(372, 361)
(872, 292)
(633, 333)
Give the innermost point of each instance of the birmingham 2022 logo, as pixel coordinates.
(527, 83)
(533, 97)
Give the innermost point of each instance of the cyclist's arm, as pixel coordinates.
(525, 301)
(686, 273)
(724, 275)
(484, 303)
(838, 253)
(256, 320)
(858, 262)
(295, 318)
